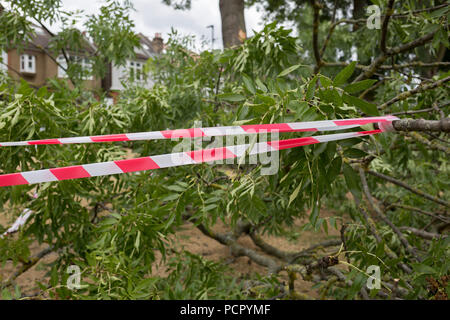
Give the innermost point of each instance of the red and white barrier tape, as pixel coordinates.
(169, 160)
(326, 125)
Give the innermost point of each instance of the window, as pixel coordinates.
(84, 63)
(62, 62)
(27, 63)
(136, 70)
(4, 61)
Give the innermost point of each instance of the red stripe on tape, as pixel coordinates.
(183, 133)
(358, 121)
(73, 172)
(370, 131)
(110, 137)
(291, 143)
(268, 127)
(206, 155)
(12, 179)
(45, 141)
(138, 164)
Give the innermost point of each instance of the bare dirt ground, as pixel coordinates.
(191, 239)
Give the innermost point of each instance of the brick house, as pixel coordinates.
(35, 63)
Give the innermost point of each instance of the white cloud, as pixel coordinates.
(152, 16)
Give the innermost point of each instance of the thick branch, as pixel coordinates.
(442, 125)
(27, 266)
(287, 256)
(330, 31)
(237, 249)
(384, 27)
(316, 7)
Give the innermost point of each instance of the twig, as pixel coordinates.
(371, 70)
(423, 234)
(410, 208)
(431, 144)
(434, 108)
(383, 217)
(418, 89)
(407, 187)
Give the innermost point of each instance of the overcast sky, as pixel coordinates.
(153, 16)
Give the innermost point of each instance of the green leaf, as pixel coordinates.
(294, 194)
(352, 180)
(137, 242)
(299, 107)
(261, 85)
(233, 97)
(289, 70)
(366, 107)
(248, 83)
(359, 86)
(354, 153)
(325, 81)
(346, 73)
(349, 142)
(176, 188)
(334, 169)
(311, 89)
(314, 214)
(423, 268)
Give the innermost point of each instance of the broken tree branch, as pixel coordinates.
(442, 125)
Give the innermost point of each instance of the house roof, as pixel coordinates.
(146, 50)
(41, 40)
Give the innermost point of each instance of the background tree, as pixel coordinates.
(232, 16)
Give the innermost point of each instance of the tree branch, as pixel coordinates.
(384, 27)
(423, 234)
(442, 125)
(316, 7)
(383, 217)
(431, 144)
(418, 89)
(396, 50)
(410, 208)
(409, 188)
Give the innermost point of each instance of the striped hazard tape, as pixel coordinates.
(326, 125)
(168, 160)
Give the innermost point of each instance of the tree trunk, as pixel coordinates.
(359, 11)
(233, 22)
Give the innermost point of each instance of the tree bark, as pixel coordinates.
(233, 22)
(359, 11)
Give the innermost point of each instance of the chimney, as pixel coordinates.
(158, 43)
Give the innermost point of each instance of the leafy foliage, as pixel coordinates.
(115, 228)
